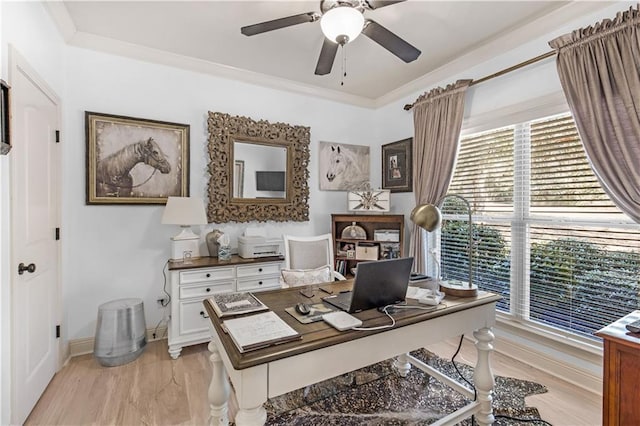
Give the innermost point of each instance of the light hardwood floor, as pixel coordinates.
(156, 390)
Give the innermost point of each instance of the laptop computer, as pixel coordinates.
(377, 284)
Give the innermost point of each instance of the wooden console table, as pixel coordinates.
(325, 352)
(620, 397)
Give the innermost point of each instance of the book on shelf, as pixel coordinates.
(259, 331)
(226, 304)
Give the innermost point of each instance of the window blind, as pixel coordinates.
(546, 236)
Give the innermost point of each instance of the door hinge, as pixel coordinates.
(57, 234)
(57, 331)
(57, 136)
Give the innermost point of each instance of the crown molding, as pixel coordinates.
(475, 56)
(73, 37)
(60, 15)
(542, 25)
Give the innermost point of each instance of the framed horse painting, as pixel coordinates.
(135, 161)
(343, 167)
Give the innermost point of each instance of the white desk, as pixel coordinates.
(324, 353)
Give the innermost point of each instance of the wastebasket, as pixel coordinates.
(120, 332)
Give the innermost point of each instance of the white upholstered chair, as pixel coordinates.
(309, 259)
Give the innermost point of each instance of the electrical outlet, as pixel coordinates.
(162, 301)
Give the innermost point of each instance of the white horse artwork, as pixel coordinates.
(343, 167)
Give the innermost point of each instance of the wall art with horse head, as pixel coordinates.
(343, 167)
(134, 160)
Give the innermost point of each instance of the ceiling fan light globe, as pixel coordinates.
(342, 24)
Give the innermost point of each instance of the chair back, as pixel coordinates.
(308, 252)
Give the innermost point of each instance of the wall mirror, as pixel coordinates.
(258, 170)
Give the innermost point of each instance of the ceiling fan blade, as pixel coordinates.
(327, 56)
(377, 4)
(390, 41)
(276, 24)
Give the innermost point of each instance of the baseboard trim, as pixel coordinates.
(549, 364)
(85, 346)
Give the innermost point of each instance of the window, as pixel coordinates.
(546, 235)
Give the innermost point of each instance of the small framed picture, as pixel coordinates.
(135, 161)
(397, 167)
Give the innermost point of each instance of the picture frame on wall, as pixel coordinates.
(5, 116)
(134, 160)
(397, 166)
(343, 167)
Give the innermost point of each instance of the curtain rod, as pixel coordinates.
(407, 107)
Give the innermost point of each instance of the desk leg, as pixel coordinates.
(483, 376)
(218, 389)
(401, 364)
(251, 417)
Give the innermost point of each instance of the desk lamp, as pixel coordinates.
(184, 211)
(429, 217)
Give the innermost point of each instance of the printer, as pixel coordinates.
(255, 244)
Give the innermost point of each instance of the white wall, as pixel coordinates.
(119, 251)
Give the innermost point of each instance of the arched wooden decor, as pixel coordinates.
(224, 131)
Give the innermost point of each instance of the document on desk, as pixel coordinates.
(259, 331)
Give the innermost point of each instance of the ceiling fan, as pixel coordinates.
(341, 22)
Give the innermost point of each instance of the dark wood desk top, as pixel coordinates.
(616, 331)
(320, 334)
(203, 262)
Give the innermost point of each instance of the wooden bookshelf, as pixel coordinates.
(384, 239)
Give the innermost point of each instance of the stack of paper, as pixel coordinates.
(259, 331)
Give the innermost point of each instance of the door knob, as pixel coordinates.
(31, 268)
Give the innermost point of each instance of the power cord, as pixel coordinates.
(166, 302)
(388, 310)
(475, 394)
(381, 327)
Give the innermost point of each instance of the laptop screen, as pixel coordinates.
(380, 283)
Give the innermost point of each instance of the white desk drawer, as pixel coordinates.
(258, 270)
(206, 290)
(261, 283)
(193, 317)
(201, 275)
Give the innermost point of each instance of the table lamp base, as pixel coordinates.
(458, 288)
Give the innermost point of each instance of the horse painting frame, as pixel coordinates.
(344, 167)
(125, 154)
(397, 166)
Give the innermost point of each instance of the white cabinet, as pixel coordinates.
(198, 279)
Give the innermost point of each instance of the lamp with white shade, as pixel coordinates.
(429, 217)
(184, 211)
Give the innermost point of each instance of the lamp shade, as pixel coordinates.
(426, 216)
(184, 211)
(342, 24)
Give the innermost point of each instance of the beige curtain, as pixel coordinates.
(599, 69)
(437, 120)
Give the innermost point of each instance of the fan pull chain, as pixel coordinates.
(344, 64)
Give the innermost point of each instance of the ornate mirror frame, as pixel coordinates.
(224, 130)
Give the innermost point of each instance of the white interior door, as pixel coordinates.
(35, 211)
